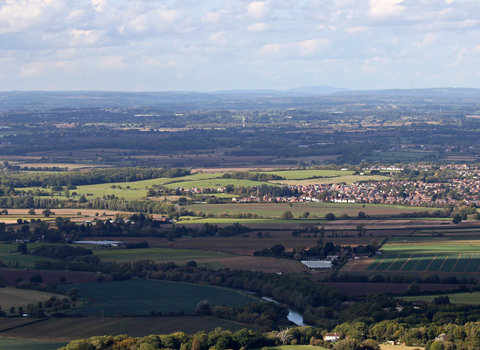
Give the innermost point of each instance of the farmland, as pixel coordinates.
(68, 329)
(162, 296)
(455, 298)
(206, 258)
(432, 255)
(21, 297)
(297, 209)
(22, 344)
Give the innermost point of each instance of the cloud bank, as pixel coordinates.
(216, 44)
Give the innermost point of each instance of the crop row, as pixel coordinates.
(426, 263)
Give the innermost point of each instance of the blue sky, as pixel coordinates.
(150, 45)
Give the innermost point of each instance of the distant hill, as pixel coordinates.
(300, 97)
(316, 90)
(429, 92)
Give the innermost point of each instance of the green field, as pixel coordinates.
(420, 254)
(308, 174)
(455, 298)
(9, 255)
(22, 344)
(297, 209)
(131, 297)
(158, 254)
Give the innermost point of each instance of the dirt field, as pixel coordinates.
(378, 288)
(246, 245)
(48, 276)
(21, 297)
(80, 328)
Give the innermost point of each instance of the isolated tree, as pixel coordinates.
(375, 244)
(196, 344)
(283, 336)
(305, 215)
(361, 230)
(62, 279)
(46, 212)
(287, 215)
(277, 249)
(330, 216)
(191, 263)
(37, 279)
(413, 289)
(361, 215)
(457, 219)
(31, 212)
(22, 248)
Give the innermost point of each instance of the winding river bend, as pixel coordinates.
(292, 316)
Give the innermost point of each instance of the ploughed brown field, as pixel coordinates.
(379, 288)
(67, 329)
(240, 244)
(48, 276)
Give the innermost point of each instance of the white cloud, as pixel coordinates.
(299, 49)
(386, 8)
(258, 27)
(428, 40)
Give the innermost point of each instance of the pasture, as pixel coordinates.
(455, 298)
(10, 256)
(315, 209)
(129, 297)
(68, 329)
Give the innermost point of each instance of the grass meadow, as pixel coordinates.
(455, 298)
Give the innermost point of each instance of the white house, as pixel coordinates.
(331, 337)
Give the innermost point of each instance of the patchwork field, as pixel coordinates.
(67, 329)
(416, 254)
(162, 296)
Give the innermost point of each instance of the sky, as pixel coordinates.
(189, 45)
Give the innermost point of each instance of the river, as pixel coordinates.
(292, 316)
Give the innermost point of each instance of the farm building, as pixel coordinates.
(317, 264)
(102, 243)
